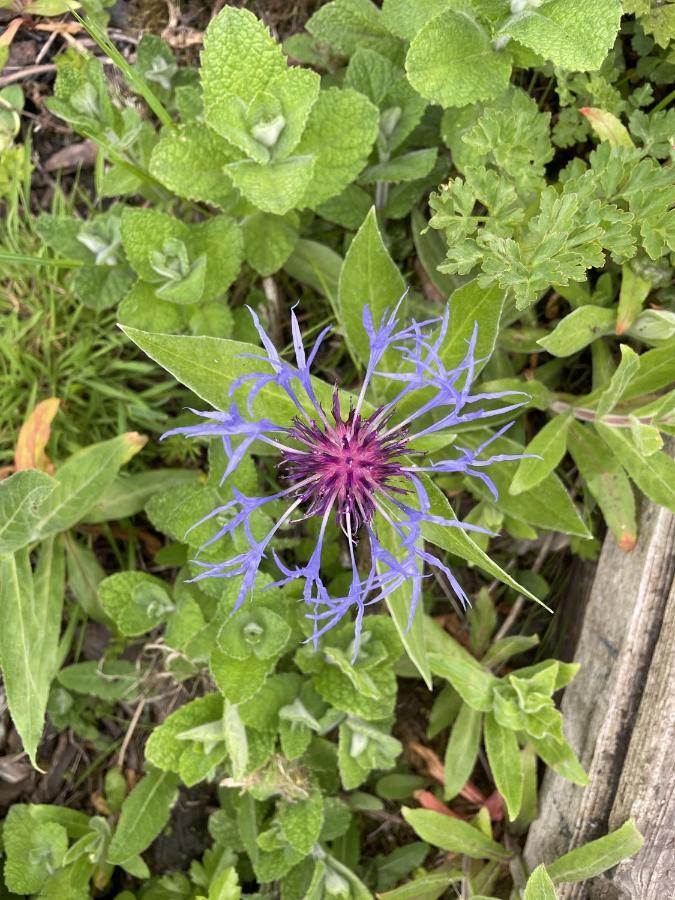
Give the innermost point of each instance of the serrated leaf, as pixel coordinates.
(347, 25)
(29, 639)
(144, 814)
(275, 187)
(453, 835)
(597, 856)
(461, 751)
(654, 475)
(452, 62)
(503, 753)
(339, 135)
(549, 443)
(370, 73)
(164, 748)
(370, 277)
(33, 849)
(239, 58)
(568, 32)
(405, 19)
(539, 885)
(190, 161)
(239, 680)
(301, 822)
(578, 329)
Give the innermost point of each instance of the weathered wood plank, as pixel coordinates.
(612, 720)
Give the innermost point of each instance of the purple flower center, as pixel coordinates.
(345, 464)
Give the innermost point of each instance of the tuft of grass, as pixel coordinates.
(51, 345)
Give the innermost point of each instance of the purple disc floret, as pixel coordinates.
(361, 467)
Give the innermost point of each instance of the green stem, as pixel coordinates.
(663, 103)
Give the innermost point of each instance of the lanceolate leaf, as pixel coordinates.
(472, 306)
(606, 480)
(145, 812)
(654, 475)
(503, 753)
(453, 835)
(539, 885)
(597, 856)
(462, 750)
(368, 277)
(549, 444)
(22, 497)
(30, 635)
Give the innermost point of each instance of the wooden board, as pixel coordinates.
(619, 716)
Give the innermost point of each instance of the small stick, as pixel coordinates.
(130, 731)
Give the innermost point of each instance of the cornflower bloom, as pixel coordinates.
(356, 466)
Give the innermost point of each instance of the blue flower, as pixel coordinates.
(355, 466)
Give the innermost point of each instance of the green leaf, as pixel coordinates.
(22, 497)
(429, 886)
(472, 682)
(482, 618)
(503, 753)
(209, 366)
(371, 74)
(654, 475)
(461, 751)
(239, 58)
(459, 542)
(269, 240)
(657, 370)
(370, 277)
(164, 747)
(33, 849)
(30, 637)
(347, 25)
(548, 505)
(112, 680)
(82, 480)
(239, 680)
(301, 822)
(318, 266)
(398, 604)
(577, 330)
(472, 305)
(190, 161)
(340, 133)
(453, 835)
(607, 127)
(539, 885)
(254, 632)
(276, 187)
(549, 443)
(607, 482)
(505, 648)
(145, 812)
(571, 34)
(407, 167)
(135, 601)
(597, 856)
(452, 62)
(405, 19)
(561, 758)
(128, 494)
(633, 293)
(431, 247)
(622, 377)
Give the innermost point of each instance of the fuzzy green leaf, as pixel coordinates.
(453, 835)
(539, 885)
(597, 856)
(144, 814)
(503, 753)
(452, 61)
(461, 751)
(549, 443)
(578, 329)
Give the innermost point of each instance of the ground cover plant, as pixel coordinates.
(356, 336)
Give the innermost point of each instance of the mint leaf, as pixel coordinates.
(571, 33)
(340, 133)
(276, 187)
(452, 61)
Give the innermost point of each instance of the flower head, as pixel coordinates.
(355, 464)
